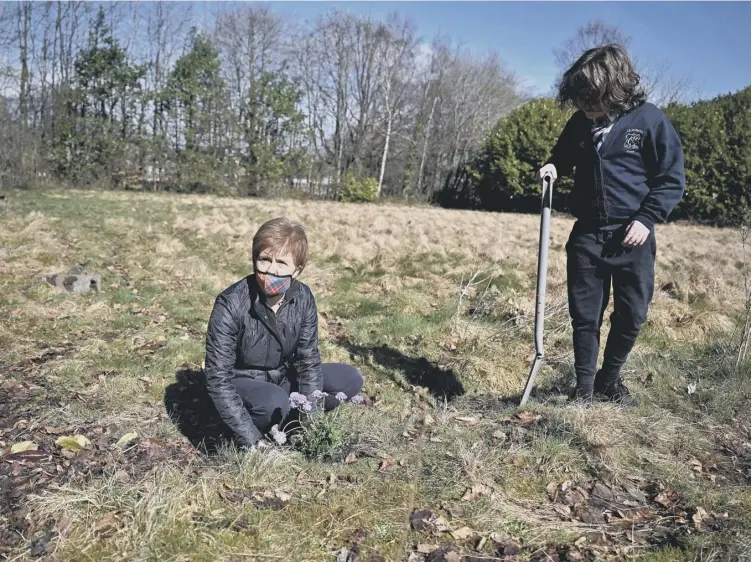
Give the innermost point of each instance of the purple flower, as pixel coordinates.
(297, 399)
(319, 394)
(341, 396)
(300, 402)
(358, 399)
(279, 436)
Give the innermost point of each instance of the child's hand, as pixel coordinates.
(547, 170)
(636, 235)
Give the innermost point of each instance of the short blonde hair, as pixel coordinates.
(280, 235)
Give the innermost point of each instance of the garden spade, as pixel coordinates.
(540, 292)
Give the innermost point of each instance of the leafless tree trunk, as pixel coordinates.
(24, 22)
(425, 146)
(387, 137)
(43, 103)
(398, 53)
(366, 71)
(250, 38)
(333, 46)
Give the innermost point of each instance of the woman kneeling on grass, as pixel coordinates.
(262, 348)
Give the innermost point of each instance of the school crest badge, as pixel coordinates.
(633, 139)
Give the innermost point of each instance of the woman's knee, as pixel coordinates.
(268, 404)
(277, 406)
(354, 381)
(340, 377)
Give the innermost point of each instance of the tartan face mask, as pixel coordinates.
(273, 285)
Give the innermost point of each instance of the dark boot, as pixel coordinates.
(582, 394)
(613, 391)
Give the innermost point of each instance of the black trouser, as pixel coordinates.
(269, 403)
(596, 260)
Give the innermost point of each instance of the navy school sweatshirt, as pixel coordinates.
(638, 172)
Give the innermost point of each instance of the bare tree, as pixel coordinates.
(344, 94)
(333, 48)
(368, 40)
(431, 78)
(165, 26)
(596, 33)
(24, 90)
(661, 85)
(398, 52)
(476, 91)
(308, 70)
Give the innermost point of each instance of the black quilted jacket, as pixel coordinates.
(246, 339)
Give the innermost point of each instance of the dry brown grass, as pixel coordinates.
(387, 279)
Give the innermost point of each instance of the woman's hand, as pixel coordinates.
(547, 170)
(259, 445)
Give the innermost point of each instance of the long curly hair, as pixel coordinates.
(602, 78)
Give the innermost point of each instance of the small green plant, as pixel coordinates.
(354, 190)
(324, 438)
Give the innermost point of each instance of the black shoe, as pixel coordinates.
(580, 395)
(617, 393)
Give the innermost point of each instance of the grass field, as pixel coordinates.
(436, 308)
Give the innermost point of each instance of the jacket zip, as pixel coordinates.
(600, 189)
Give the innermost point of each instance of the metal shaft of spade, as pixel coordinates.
(540, 293)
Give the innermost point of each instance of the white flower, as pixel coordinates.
(278, 435)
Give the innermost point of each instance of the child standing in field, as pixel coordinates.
(629, 176)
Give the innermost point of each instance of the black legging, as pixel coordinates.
(269, 404)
